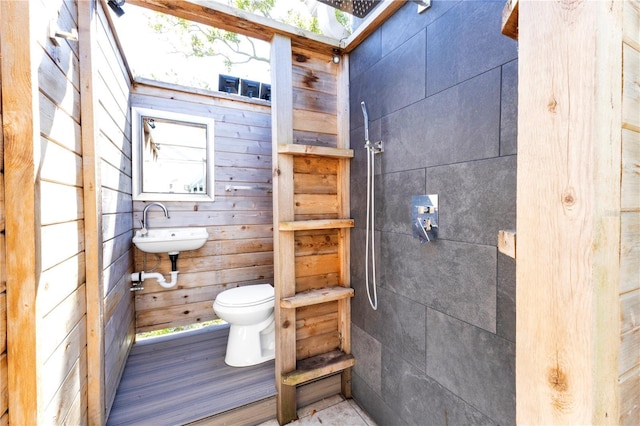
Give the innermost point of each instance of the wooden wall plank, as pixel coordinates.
(58, 282)
(629, 356)
(629, 389)
(54, 81)
(50, 167)
(317, 265)
(59, 365)
(307, 78)
(568, 161)
(58, 126)
(225, 278)
(179, 315)
(631, 89)
(629, 251)
(119, 338)
(52, 194)
(316, 345)
(318, 122)
(316, 242)
(630, 170)
(316, 61)
(60, 242)
(20, 134)
(69, 400)
(631, 24)
(4, 389)
(60, 321)
(3, 324)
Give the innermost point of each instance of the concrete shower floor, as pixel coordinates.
(334, 411)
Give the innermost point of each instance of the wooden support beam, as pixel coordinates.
(21, 133)
(283, 210)
(87, 28)
(568, 212)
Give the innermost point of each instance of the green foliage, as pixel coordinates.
(263, 7)
(297, 20)
(197, 40)
(344, 20)
(200, 41)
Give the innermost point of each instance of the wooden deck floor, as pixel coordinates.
(181, 379)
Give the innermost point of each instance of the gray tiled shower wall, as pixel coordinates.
(441, 92)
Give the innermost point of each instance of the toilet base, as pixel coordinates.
(251, 344)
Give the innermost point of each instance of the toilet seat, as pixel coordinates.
(250, 295)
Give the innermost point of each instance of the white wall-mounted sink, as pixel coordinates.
(170, 240)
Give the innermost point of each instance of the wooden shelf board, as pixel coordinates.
(507, 243)
(305, 225)
(320, 151)
(314, 297)
(318, 366)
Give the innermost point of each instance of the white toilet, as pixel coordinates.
(249, 312)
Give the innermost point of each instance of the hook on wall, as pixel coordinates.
(55, 33)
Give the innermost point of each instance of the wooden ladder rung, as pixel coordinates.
(318, 366)
(305, 225)
(313, 297)
(312, 150)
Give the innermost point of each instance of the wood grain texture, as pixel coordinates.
(20, 134)
(183, 378)
(283, 210)
(569, 148)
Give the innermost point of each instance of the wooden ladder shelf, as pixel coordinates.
(311, 228)
(307, 353)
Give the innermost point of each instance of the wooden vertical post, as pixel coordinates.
(87, 18)
(21, 129)
(568, 212)
(344, 209)
(283, 242)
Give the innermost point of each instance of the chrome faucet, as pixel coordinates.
(144, 221)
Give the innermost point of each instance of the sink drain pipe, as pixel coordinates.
(139, 277)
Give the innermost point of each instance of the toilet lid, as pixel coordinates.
(248, 295)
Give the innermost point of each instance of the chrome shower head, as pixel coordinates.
(366, 121)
